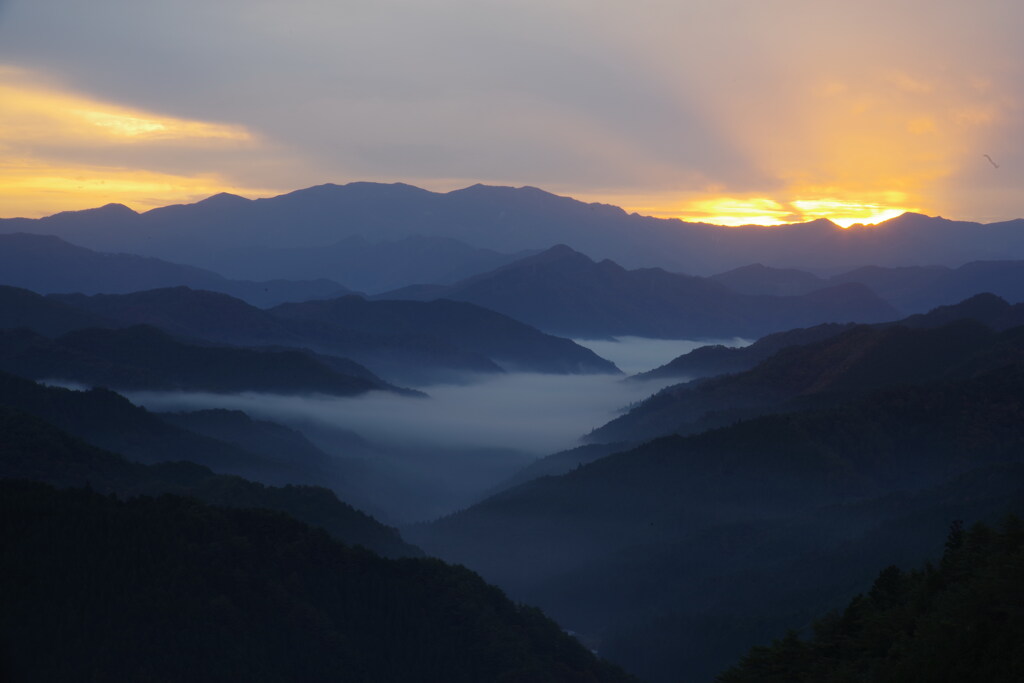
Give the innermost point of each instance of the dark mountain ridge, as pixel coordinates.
(34, 449)
(509, 220)
(512, 344)
(706, 361)
(855, 362)
(911, 289)
(145, 358)
(681, 553)
(48, 265)
(410, 342)
(565, 292)
(188, 591)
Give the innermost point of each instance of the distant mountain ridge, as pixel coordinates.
(509, 220)
(145, 358)
(830, 364)
(407, 342)
(564, 292)
(911, 289)
(706, 361)
(48, 265)
(36, 450)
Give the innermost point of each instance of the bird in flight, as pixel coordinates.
(994, 164)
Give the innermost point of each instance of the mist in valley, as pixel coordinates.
(407, 458)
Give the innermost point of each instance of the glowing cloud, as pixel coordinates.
(63, 150)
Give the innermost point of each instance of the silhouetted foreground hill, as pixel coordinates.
(34, 449)
(509, 220)
(564, 292)
(959, 620)
(173, 589)
(47, 264)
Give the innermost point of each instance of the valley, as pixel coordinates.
(673, 467)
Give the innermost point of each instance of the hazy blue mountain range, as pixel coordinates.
(563, 291)
(145, 358)
(717, 359)
(510, 220)
(680, 554)
(911, 289)
(223, 441)
(857, 361)
(407, 342)
(48, 264)
(34, 449)
(108, 420)
(24, 308)
(513, 345)
(365, 265)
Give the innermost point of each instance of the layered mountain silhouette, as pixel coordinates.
(145, 358)
(35, 449)
(409, 342)
(681, 553)
(911, 289)
(173, 589)
(48, 264)
(365, 265)
(509, 220)
(225, 441)
(513, 345)
(108, 420)
(24, 308)
(858, 360)
(565, 292)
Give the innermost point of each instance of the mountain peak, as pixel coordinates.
(560, 253)
(107, 211)
(225, 199)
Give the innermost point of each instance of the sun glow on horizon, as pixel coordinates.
(767, 212)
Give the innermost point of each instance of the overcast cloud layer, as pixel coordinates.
(654, 104)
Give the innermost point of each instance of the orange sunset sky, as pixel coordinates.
(726, 111)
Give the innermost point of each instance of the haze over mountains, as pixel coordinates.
(827, 455)
(724, 494)
(563, 291)
(210, 233)
(47, 264)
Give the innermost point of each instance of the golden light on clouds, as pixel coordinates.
(27, 186)
(735, 211)
(33, 110)
(46, 132)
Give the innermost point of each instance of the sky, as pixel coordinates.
(727, 111)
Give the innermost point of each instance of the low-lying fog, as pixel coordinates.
(452, 448)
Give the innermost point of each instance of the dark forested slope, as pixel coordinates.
(679, 554)
(36, 450)
(961, 619)
(144, 357)
(172, 589)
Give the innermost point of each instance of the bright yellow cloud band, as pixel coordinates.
(32, 111)
(46, 132)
